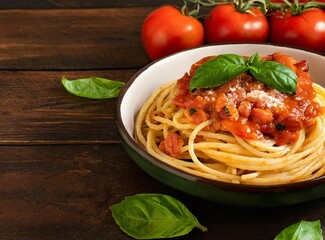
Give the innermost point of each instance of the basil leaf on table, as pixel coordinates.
(153, 216)
(301, 231)
(93, 87)
(224, 67)
(218, 71)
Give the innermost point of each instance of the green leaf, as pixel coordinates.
(153, 216)
(218, 71)
(253, 60)
(301, 231)
(274, 75)
(223, 68)
(93, 87)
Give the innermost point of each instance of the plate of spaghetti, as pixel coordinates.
(241, 124)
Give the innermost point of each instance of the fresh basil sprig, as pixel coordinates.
(153, 216)
(301, 231)
(224, 67)
(93, 87)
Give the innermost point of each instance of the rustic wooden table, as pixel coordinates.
(61, 160)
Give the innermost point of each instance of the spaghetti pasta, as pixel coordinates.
(199, 141)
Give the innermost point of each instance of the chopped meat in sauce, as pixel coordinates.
(172, 145)
(249, 109)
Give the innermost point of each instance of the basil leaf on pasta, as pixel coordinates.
(217, 71)
(275, 75)
(150, 216)
(225, 67)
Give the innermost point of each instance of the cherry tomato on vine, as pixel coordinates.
(306, 30)
(227, 24)
(166, 30)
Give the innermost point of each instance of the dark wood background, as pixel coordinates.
(52, 4)
(61, 160)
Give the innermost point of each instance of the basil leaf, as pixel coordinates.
(93, 87)
(223, 68)
(301, 231)
(274, 75)
(253, 60)
(217, 71)
(152, 216)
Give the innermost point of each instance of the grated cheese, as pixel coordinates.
(261, 96)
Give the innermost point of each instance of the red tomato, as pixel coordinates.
(225, 24)
(306, 30)
(166, 30)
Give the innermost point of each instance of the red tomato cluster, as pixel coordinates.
(167, 30)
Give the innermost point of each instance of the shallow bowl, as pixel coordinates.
(170, 68)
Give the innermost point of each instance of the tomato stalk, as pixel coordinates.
(242, 6)
(295, 7)
(196, 4)
(192, 7)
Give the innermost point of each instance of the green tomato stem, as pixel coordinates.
(192, 7)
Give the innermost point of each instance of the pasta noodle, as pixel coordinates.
(218, 154)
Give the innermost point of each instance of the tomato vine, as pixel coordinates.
(170, 29)
(193, 7)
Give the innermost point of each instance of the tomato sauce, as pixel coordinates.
(251, 110)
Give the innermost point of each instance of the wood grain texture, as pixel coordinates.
(45, 194)
(61, 160)
(55, 4)
(36, 109)
(72, 39)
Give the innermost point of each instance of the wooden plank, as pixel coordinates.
(65, 191)
(36, 109)
(55, 4)
(72, 39)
